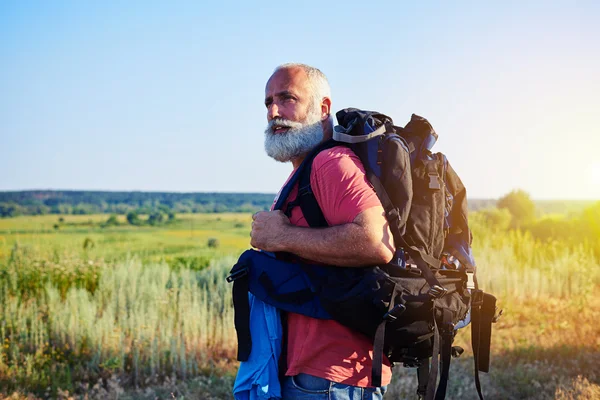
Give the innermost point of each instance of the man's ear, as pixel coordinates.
(325, 108)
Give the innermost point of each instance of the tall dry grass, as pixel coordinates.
(141, 322)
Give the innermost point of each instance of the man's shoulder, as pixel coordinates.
(337, 154)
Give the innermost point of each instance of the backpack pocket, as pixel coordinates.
(425, 227)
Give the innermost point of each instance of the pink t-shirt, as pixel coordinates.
(325, 348)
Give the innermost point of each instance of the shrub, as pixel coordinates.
(133, 218)
(520, 206)
(496, 218)
(112, 221)
(88, 243)
(552, 227)
(156, 218)
(213, 243)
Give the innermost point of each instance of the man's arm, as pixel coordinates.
(365, 241)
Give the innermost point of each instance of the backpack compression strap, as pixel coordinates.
(483, 314)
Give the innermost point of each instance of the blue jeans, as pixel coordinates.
(308, 387)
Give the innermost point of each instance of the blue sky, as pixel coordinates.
(168, 96)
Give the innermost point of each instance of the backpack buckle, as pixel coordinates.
(437, 291)
(470, 280)
(434, 182)
(235, 275)
(398, 310)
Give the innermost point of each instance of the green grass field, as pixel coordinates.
(186, 237)
(145, 312)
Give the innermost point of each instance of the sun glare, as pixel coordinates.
(595, 173)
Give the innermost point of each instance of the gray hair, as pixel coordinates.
(316, 79)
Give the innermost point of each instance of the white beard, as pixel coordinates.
(297, 141)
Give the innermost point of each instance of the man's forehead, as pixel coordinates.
(286, 79)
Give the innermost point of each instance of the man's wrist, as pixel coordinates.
(284, 240)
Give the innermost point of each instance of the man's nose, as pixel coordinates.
(272, 111)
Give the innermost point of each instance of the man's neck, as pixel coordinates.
(297, 161)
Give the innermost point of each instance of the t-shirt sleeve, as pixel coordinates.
(340, 186)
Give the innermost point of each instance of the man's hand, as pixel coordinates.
(268, 230)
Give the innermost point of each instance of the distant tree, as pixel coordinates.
(171, 215)
(520, 206)
(11, 210)
(38, 209)
(156, 218)
(213, 243)
(61, 220)
(85, 209)
(164, 209)
(220, 208)
(133, 218)
(112, 221)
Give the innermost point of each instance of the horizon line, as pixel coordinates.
(259, 193)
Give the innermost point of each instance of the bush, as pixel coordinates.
(520, 206)
(552, 227)
(88, 243)
(496, 218)
(213, 243)
(133, 218)
(156, 218)
(112, 221)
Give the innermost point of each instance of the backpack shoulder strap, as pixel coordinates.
(306, 198)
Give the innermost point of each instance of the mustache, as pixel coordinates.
(282, 122)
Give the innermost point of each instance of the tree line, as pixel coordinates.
(17, 203)
(516, 211)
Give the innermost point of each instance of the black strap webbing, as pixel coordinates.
(476, 302)
(488, 311)
(377, 366)
(284, 342)
(242, 317)
(305, 199)
(446, 353)
(422, 378)
(435, 363)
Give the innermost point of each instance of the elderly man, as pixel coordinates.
(324, 358)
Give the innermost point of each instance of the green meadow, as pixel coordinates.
(90, 310)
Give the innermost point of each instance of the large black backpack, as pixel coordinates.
(411, 306)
